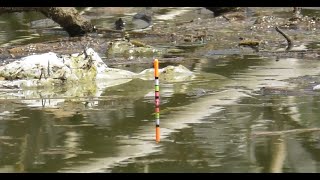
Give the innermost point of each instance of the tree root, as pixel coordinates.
(289, 41)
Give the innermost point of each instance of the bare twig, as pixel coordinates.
(292, 131)
(289, 41)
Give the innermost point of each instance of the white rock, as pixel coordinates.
(316, 88)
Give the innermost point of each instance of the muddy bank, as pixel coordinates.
(194, 31)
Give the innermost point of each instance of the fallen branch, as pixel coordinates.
(289, 41)
(292, 131)
(67, 17)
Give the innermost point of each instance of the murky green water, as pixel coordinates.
(212, 132)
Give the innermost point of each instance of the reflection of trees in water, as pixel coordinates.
(38, 139)
(183, 153)
(39, 134)
(47, 145)
(275, 153)
(16, 25)
(188, 152)
(235, 62)
(31, 140)
(266, 153)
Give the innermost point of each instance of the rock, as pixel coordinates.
(316, 88)
(52, 69)
(170, 74)
(122, 47)
(79, 75)
(119, 24)
(142, 20)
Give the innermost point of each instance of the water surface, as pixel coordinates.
(210, 132)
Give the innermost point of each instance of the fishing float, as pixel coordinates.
(157, 98)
